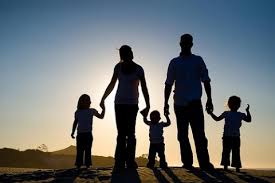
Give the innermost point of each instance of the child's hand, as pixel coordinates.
(247, 108)
(72, 135)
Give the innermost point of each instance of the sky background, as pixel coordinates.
(51, 52)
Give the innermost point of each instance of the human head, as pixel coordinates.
(234, 103)
(186, 42)
(155, 117)
(84, 102)
(126, 53)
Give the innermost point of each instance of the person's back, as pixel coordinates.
(156, 133)
(231, 135)
(85, 120)
(232, 123)
(129, 75)
(188, 72)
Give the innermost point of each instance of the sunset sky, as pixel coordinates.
(51, 52)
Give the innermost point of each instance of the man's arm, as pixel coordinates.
(168, 123)
(167, 92)
(209, 104)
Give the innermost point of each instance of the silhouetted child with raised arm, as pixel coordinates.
(156, 138)
(231, 135)
(84, 122)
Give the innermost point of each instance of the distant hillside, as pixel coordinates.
(63, 158)
(71, 150)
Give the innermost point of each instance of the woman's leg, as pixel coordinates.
(131, 111)
(120, 152)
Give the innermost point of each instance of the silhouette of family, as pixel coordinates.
(187, 72)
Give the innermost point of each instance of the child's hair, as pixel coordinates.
(154, 113)
(84, 102)
(234, 102)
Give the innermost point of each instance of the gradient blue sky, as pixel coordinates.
(53, 51)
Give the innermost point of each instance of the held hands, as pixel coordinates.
(166, 110)
(209, 106)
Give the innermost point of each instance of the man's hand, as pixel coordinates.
(166, 109)
(209, 106)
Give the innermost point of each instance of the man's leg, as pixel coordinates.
(182, 125)
(201, 143)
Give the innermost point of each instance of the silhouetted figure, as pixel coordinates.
(156, 138)
(231, 134)
(129, 74)
(84, 123)
(187, 72)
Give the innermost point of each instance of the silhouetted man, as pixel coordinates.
(188, 71)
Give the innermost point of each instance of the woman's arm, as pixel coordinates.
(144, 89)
(110, 87)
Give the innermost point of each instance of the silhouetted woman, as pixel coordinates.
(129, 74)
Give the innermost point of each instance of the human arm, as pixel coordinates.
(167, 92)
(146, 121)
(209, 105)
(247, 118)
(216, 118)
(168, 86)
(144, 89)
(110, 87)
(100, 115)
(168, 123)
(74, 127)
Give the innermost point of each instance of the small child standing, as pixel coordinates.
(84, 122)
(156, 138)
(231, 135)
